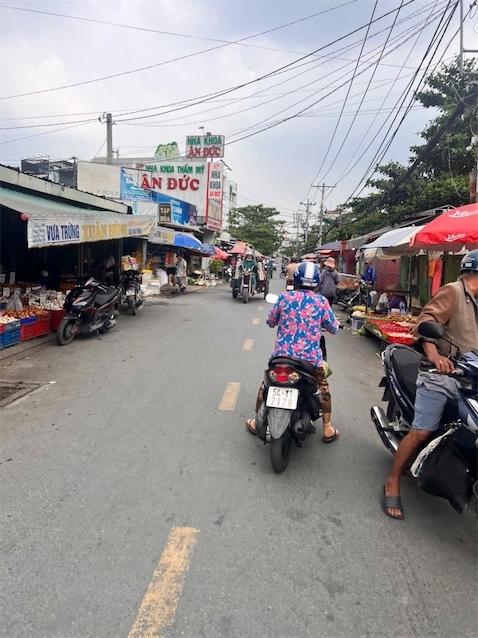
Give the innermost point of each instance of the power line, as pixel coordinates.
(181, 35)
(158, 64)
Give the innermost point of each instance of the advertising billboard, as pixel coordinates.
(214, 196)
(205, 146)
(99, 179)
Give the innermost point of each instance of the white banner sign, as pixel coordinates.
(52, 232)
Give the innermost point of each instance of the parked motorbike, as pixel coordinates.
(90, 307)
(453, 477)
(347, 299)
(228, 274)
(131, 290)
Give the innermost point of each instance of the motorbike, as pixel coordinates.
(289, 284)
(131, 290)
(446, 466)
(90, 307)
(347, 299)
(290, 406)
(242, 287)
(228, 274)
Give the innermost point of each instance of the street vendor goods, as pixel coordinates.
(446, 467)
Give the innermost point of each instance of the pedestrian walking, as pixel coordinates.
(329, 278)
(181, 274)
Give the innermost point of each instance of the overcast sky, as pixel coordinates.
(276, 166)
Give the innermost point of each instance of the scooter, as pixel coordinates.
(131, 290)
(90, 307)
(290, 406)
(447, 466)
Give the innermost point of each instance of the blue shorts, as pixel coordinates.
(429, 407)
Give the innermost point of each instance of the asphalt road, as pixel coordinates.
(131, 505)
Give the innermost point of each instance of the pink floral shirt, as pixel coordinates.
(301, 315)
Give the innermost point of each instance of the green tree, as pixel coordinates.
(442, 176)
(258, 226)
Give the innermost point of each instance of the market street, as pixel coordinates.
(134, 470)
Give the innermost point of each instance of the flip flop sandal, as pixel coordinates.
(392, 503)
(334, 437)
(249, 426)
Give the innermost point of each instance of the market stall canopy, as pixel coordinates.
(238, 248)
(220, 254)
(394, 238)
(330, 247)
(54, 223)
(451, 231)
(187, 240)
(309, 256)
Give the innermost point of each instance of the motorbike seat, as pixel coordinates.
(296, 363)
(105, 297)
(405, 363)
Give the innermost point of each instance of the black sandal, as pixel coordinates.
(392, 503)
(249, 426)
(334, 437)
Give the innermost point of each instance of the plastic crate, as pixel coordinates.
(27, 320)
(56, 317)
(357, 324)
(10, 337)
(28, 331)
(43, 324)
(13, 325)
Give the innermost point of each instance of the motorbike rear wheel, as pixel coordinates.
(245, 295)
(234, 293)
(282, 275)
(65, 334)
(280, 452)
(132, 306)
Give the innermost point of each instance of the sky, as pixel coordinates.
(320, 116)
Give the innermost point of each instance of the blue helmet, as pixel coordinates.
(469, 263)
(307, 275)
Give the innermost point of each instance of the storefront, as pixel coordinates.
(50, 235)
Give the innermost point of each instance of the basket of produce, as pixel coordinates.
(43, 323)
(8, 323)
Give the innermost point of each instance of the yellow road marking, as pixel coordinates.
(256, 321)
(248, 343)
(229, 398)
(158, 607)
(260, 308)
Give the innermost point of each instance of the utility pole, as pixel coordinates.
(322, 188)
(308, 205)
(107, 118)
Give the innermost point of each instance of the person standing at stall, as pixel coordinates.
(181, 274)
(329, 278)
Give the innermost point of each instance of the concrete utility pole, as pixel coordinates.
(322, 188)
(308, 205)
(107, 118)
(462, 47)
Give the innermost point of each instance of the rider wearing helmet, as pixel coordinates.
(454, 306)
(291, 268)
(250, 264)
(300, 316)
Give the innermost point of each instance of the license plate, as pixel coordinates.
(129, 293)
(285, 398)
(290, 288)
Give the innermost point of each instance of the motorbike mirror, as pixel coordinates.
(431, 330)
(271, 298)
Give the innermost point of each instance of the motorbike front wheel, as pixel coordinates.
(282, 275)
(245, 295)
(280, 452)
(65, 333)
(132, 306)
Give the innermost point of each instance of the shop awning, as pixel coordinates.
(54, 223)
(394, 238)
